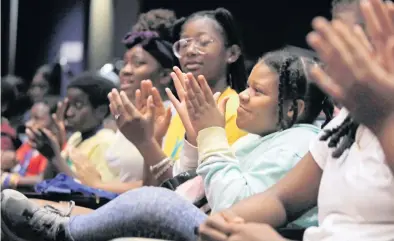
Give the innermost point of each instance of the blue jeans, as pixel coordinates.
(149, 212)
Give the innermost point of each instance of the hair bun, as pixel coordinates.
(157, 20)
(222, 12)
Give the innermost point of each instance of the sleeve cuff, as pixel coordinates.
(189, 156)
(212, 139)
(188, 159)
(189, 149)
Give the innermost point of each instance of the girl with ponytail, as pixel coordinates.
(208, 43)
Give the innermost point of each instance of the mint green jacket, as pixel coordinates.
(251, 165)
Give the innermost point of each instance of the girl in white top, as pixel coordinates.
(349, 170)
(356, 193)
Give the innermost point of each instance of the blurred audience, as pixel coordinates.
(45, 83)
(19, 99)
(27, 165)
(82, 112)
(9, 139)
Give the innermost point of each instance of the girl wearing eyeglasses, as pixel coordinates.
(209, 44)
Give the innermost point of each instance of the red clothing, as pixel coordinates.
(37, 164)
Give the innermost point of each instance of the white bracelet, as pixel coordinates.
(160, 168)
(159, 165)
(162, 171)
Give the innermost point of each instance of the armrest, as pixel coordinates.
(292, 233)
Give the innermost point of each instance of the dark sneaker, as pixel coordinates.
(23, 220)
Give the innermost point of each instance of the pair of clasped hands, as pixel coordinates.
(148, 120)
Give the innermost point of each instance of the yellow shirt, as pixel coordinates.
(176, 132)
(95, 148)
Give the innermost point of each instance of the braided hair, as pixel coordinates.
(237, 77)
(341, 137)
(294, 86)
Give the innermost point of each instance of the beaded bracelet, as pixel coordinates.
(10, 180)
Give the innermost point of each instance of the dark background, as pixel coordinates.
(265, 25)
(37, 22)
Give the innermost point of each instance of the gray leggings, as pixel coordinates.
(149, 212)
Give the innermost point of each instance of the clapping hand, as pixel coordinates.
(162, 115)
(359, 75)
(43, 140)
(202, 107)
(59, 119)
(84, 169)
(179, 79)
(136, 126)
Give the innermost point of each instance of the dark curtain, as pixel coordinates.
(265, 25)
(37, 22)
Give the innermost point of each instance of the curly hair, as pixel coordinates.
(157, 20)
